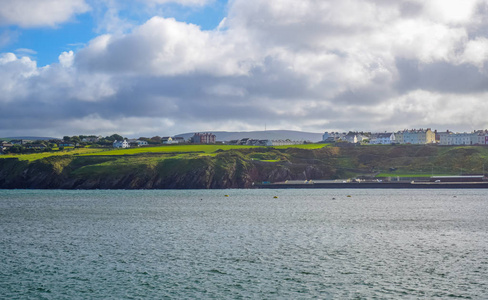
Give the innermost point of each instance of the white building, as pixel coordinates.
(137, 142)
(361, 137)
(121, 144)
(351, 138)
(92, 139)
(254, 142)
(382, 138)
(167, 140)
(482, 138)
(286, 142)
(463, 138)
(333, 136)
(178, 140)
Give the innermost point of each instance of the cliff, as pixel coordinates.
(233, 168)
(230, 169)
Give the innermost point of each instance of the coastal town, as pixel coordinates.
(412, 136)
(407, 136)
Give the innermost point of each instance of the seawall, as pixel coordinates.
(377, 185)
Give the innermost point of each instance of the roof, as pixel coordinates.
(382, 135)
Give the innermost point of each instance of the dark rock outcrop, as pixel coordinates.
(231, 169)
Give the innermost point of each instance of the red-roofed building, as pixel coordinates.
(203, 138)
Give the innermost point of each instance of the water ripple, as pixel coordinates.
(169, 244)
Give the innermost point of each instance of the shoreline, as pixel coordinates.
(376, 185)
(278, 186)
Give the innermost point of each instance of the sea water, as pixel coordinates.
(200, 244)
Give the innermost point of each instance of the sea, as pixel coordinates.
(244, 244)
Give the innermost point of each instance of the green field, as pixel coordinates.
(226, 166)
(182, 150)
(40, 155)
(419, 161)
(408, 160)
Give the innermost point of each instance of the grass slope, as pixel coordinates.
(416, 160)
(327, 162)
(41, 155)
(174, 149)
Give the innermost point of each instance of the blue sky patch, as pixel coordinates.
(47, 43)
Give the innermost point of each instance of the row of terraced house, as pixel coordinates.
(412, 136)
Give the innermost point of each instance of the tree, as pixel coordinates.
(156, 139)
(115, 137)
(66, 138)
(15, 149)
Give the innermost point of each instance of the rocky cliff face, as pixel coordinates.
(225, 170)
(233, 168)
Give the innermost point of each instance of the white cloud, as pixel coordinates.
(167, 47)
(15, 72)
(450, 11)
(34, 13)
(66, 59)
(108, 17)
(475, 52)
(22, 80)
(26, 51)
(315, 65)
(449, 111)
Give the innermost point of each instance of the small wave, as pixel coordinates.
(215, 271)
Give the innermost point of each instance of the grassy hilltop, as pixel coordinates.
(225, 166)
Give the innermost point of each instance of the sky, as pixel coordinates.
(164, 67)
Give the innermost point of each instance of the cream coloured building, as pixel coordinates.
(415, 136)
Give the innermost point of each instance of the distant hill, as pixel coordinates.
(32, 138)
(262, 135)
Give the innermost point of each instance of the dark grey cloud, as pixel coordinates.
(410, 9)
(442, 77)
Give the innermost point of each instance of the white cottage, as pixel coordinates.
(382, 138)
(137, 142)
(121, 144)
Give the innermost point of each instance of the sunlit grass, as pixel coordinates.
(303, 146)
(40, 155)
(201, 150)
(204, 149)
(171, 149)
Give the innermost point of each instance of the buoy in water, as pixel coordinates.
(226, 195)
(349, 196)
(275, 197)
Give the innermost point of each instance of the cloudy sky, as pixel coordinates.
(163, 67)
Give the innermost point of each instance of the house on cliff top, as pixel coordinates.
(121, 144)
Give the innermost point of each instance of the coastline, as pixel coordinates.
(377, 185)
